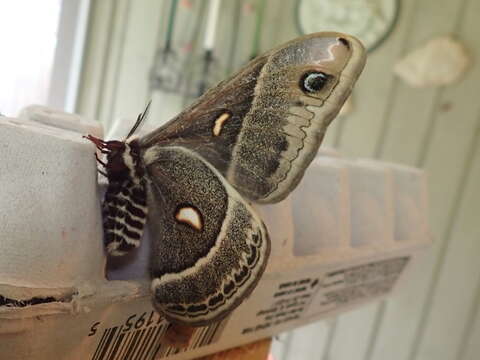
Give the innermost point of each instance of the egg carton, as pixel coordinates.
(345, 237)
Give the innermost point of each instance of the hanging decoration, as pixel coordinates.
(208, 45)
(165, 72)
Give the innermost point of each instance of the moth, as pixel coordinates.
(248, 139)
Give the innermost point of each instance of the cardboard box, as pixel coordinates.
(346, 236)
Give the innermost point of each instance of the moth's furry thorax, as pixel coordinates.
(124, 162)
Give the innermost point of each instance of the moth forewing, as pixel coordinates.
(304, 83)
(263, 126)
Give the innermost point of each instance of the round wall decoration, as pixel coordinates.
(371, 21)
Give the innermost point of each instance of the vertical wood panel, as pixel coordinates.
(358, 137)
(310, 339)
(113, 66)
(363, 127)
(279, 25)
(470, 347)
(280, 344)
(456, 272)
(140, 41)
(96, 57)
(409, 117)
(410, 120)
(453, 293)
(352, 334)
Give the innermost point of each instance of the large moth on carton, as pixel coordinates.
(248, 139)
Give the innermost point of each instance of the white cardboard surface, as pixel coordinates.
(50, 219)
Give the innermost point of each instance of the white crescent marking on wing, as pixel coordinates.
(220, 122)
(190, 216)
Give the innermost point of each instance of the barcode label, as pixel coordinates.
(144, 344)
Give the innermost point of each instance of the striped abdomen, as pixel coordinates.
(124, 216)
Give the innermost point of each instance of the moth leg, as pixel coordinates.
(102, 172)
(104, 164)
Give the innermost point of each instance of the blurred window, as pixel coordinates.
(41, 48)
(28, 37)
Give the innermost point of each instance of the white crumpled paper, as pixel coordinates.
(441, 61)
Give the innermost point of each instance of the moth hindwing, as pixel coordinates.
(250, 137)
(213, 246)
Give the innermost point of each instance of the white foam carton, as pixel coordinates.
(346, 236)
